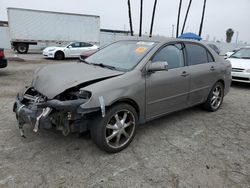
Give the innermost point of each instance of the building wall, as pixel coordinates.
(109, 37)
(4, 38)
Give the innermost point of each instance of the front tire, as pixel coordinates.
(215, 98)
(59, 55)
(116, 130)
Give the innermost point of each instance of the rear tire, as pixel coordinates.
(116, 130)
(215, 98)
(22, 48)
(59, 55)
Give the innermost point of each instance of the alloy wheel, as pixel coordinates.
(216, 97)
(120, 129)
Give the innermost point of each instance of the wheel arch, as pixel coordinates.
(221, 81)
(129, 101)
(59, 51)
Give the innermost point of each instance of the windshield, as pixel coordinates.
(122, 55)
(243, 53)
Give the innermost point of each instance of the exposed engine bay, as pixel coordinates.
(60, 113)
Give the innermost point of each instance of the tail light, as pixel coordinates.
(1, 53)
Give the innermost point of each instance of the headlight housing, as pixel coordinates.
(83, 94)
(51, 50)
(74, 95)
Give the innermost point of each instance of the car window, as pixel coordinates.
(215, 48)
(196, 54)
(173, 54)
(85, 44)
(76, 45)
(210, 57)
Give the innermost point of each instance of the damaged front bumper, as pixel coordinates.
(65, 116)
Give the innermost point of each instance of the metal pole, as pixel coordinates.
(237, 36)
(184, 24)
(140, 29)
(202, 18)
(173, 30)
(152, 21)
(130, 19)
(178, 19)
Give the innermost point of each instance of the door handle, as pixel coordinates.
(184, 74)
(212, 68)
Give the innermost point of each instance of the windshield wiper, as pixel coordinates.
(245, 57)
(234, 56)
(84, 61)
(105, 66)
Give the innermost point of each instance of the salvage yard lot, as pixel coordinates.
(190, 148)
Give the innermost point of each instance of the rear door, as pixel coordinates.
(85, 47)
(167, 91)
(204, 72)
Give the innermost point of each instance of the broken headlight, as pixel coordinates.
(74, 95)
(83, 94)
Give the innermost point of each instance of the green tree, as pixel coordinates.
(229, 34)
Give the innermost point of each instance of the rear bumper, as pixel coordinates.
(3, 63)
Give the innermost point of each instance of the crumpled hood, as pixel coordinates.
(240, 63)
(54, 79)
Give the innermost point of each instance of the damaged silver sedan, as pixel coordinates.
(122, 85)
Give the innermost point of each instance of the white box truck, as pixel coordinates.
(30, 27)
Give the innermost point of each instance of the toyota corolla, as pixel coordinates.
(121, 86)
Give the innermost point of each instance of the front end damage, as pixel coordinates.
(63, 112)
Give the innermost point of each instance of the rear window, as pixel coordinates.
(197, 54)
(85, 44)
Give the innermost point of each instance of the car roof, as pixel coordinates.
(161, 39)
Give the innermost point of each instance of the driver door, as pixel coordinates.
(74, 49)
(167, 91)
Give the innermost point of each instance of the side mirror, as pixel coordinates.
(70, 47)
(158, 66)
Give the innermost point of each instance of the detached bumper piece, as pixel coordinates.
(39, 113)
(31, 115)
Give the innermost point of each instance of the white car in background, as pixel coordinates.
(72, 50)
(240, 61)
(228, 54)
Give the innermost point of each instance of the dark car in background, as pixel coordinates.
(3, 60)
